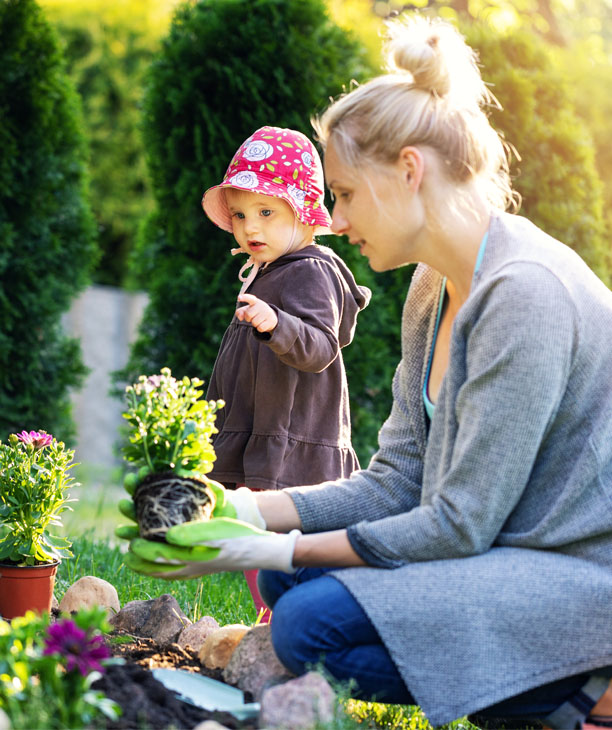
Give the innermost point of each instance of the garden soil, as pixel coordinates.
(145, 702)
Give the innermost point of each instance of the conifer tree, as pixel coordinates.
(47, 235)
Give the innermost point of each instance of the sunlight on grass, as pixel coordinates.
(402, 717)
(394, 717)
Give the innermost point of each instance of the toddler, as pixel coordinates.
(279, 369)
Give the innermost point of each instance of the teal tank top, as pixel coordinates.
(429, 406)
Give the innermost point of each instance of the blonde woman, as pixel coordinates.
(468, 568)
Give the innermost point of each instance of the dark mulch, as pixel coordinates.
(145, 702)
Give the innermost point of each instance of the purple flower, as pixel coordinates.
(80, 651)
(39, 440)
(154, 381)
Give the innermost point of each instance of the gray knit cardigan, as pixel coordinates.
(490, 533)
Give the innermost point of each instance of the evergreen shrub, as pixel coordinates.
(226, 68)
(556, 175)
(47, 233)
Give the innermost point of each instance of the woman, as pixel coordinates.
(476, 547)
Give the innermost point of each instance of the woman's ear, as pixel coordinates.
(412, 166)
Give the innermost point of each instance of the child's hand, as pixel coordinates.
(257, 312)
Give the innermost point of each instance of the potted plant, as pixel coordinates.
(169, 447)
(34, 483)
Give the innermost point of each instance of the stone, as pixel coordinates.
(254, 665)
(160, 619)
(298, 704)
(132, 617)
(54, 604)
(196, 634)
(90, 591)
(166, 620)
(210, 725)
(221, 645)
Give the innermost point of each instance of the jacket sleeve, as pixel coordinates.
(517, 353)
(313, 301)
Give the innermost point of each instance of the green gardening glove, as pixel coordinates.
(219, 545)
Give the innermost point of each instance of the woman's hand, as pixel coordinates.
(257, 313)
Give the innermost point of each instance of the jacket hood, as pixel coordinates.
(358, 296)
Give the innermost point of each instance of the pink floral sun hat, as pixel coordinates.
(278, 162)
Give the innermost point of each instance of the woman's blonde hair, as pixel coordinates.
(433, 95)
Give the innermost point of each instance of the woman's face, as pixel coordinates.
(376, 209)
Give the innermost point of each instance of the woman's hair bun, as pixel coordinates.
(437, 58)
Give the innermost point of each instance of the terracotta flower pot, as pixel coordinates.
(24, 588)
(164, 500)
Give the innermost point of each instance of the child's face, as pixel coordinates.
(264, 226)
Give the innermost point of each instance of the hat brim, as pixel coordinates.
(215, 207)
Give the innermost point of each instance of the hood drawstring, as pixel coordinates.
(246, 279)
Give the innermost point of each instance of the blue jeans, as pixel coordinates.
(316, 621)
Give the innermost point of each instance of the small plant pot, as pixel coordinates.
(164, 500)
(26, 588)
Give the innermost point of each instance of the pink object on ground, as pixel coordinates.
(251, 579)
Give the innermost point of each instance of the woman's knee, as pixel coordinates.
(304, 620)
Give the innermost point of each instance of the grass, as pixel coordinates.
(224, 596)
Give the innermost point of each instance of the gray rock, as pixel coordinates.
(132, 617)
(298, 704)
(194, 635)
(161, 619)
(254, 665)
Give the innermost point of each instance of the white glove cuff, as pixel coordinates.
(244, 502)
(272, 553)
(287, 554)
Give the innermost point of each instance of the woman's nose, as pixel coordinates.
(339, 224)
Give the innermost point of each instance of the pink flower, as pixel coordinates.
(39, 440)
(80, 651)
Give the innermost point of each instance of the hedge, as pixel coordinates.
(47, 232)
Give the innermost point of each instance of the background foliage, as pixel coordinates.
(108, 47)
(549, 62)
(47, 234)
(556, 174)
